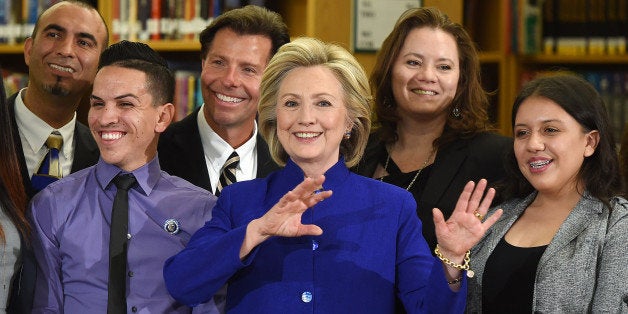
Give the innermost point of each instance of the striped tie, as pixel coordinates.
(50, 168)
(227, 173)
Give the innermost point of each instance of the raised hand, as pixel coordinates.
(467, 224)
(284, 219)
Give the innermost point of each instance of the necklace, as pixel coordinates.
(418, 172)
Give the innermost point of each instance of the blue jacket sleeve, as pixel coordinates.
(211, 257)
(421, 282)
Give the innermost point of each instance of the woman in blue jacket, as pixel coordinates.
(314, 237)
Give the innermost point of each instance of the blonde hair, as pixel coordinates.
(308, 52)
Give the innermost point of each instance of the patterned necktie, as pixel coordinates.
(50, 169)
(228, 172)
(116, 301)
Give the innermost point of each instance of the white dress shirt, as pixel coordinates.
(34, 132)
(217, 152)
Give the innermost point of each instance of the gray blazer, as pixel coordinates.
(583, 270)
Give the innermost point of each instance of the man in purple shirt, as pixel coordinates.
(130, 107)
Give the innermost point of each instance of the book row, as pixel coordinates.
(570, 27)
(130, 19)
(558, 27)
(167, 19)
(18, 17)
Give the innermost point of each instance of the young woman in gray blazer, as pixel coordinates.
(561, 244)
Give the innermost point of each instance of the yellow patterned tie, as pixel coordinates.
(50, 169)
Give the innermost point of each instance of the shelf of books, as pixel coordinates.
(526, 38)
(585, 37)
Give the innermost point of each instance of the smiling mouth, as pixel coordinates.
(62, 68)
(539, 164)
(423, 92)
(111, 135)
(307, 134)
(230, 99)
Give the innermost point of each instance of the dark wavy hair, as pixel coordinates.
(600, 171)
(248, 20)
(13, 198)
(470, 98)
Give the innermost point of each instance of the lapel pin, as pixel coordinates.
(172, 226)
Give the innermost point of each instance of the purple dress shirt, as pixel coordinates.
(72, 222)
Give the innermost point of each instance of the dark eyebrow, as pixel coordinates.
(55, 27)
(60, 28)
(117, 97)
(127, 95)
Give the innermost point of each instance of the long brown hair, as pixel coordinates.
(471, 99)
(13, 198)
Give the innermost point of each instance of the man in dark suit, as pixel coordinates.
(235, 49)
(62, 55)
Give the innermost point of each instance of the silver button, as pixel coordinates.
(128, 236)
(314, 245)
(306, 297)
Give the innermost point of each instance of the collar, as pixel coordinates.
(147, 175)
(36, 131)
(334, 176)
(217, 150)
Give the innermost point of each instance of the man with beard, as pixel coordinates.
(62, 55)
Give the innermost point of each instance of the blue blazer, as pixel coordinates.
(456, 163)
(371, 251)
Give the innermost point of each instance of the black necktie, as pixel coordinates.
(227, 173)
(116, 302)
(50, 169)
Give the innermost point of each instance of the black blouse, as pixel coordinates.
(509, 275)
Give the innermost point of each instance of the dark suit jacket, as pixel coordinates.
(181, 153)
(85, 154)
(455, 164)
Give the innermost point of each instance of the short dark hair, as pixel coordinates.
(126, 50)
(139, 56)
(600, 171)
(248, 20)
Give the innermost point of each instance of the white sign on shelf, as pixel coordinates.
(375, 19)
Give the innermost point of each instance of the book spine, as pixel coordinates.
(153, 23)
(550, 16)
(143, 14)
(191, 99)
(3, 21)
(124, 19)
(133, 22)
(115, 20)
